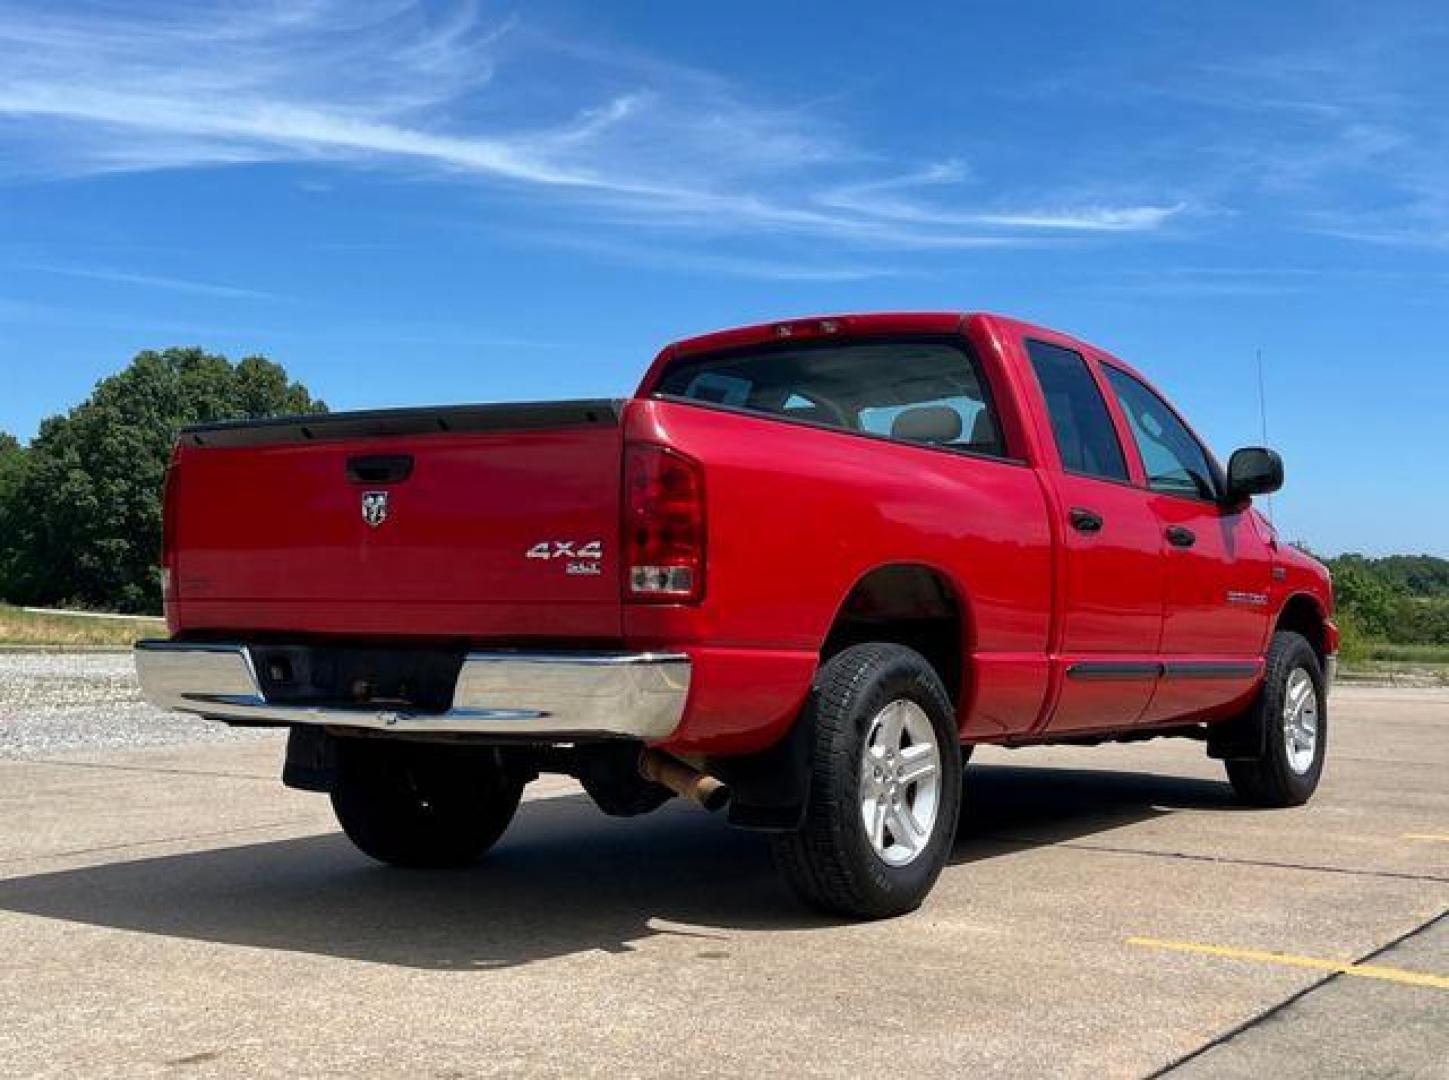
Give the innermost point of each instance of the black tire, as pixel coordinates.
(421, 805)
(1268, 778)
(830, 862)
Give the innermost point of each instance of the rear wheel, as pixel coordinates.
(420, 805)
(885, 789)
(1290, 720)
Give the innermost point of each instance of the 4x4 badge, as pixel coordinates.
(374, 508)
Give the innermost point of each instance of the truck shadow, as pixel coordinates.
(1008, 808)
(565, 879)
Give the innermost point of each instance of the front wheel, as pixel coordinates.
(1290, 721)
(885, 787)
(422, 805)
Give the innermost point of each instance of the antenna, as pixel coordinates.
(1263, 416)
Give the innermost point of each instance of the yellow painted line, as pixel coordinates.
(1427, 836)
(1360, 971)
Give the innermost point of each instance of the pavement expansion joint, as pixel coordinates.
(1229, 860)
(1298, 995)
(159, 770)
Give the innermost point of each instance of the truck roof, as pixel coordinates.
(851, 323)
(814, 327)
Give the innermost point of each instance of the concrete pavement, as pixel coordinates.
(176, 911)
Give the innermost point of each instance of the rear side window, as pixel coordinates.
(1175, 461)
(1086, 439)
(927, 392)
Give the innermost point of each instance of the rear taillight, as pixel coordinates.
(663, 525)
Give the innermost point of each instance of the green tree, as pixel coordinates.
(1417, 575)
(84, 520)
(1420, 620)
(1367, 599)
(12, 462)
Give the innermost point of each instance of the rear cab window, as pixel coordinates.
(927, 392)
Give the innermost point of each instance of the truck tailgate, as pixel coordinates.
(479, 522)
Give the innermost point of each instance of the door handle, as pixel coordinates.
(1181, 536)
(1084, 520)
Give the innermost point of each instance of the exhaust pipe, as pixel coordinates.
(684, 780)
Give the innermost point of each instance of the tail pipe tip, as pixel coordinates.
(684, 780)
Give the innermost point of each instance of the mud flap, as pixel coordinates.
(1242, 737)
(769, 790)
(311, 759)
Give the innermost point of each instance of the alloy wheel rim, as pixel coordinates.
(900, 782)
(1300, 721)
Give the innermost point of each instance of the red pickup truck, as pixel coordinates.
(801, 573)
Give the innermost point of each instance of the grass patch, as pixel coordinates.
(1396, 673)
(27, 629)
(1373, 660)
(1406, 654)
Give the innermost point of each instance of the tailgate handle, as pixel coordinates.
(380, 469)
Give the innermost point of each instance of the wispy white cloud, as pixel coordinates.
(14, 311)
(888, 199)
(1088, 218)
(629, 140)
(394, 332)
(1337, 128)
(156, 281)
(1205, 282)
(1343, 132)
(767, 266)
(1268, 280)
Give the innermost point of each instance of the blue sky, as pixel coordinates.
(435, 202)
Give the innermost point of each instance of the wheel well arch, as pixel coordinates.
(911, 604)
(1303, 614)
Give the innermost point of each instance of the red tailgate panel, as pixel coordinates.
(274, 537)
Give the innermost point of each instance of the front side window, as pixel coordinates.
(1081, 424)
(927, 392)
(1175, 461)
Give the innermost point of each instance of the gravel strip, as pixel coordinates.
(57, 702)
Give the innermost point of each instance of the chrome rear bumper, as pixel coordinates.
(552, 695)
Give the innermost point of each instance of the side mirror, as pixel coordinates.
(1253, 470)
